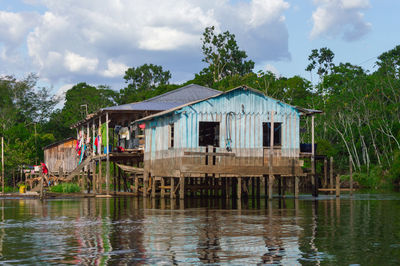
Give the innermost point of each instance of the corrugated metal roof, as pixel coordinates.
(58, 142)
(171, 99)
(302, 110)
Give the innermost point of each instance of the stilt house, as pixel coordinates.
(240, 132)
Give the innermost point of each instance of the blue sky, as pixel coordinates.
(71, 41)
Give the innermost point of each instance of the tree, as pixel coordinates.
(73, 111)
(142, 79)
(321, 60)
(222, 54)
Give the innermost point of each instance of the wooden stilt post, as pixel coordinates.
(181, 187)
(266, 186)
(41, 187)
(145, 183)
(351, 175)
(108, 158)
(172, 194)
(153, 187)
(258, 187)
(114, 178)
(271, 152)
(337, 185)
(325, 172)
(100, 180)
(94, 183)
(136, 178)
(313, 183)
(270, 184)
(283, 186)
(279, 186)
(331, 172)
(253, 187)
(239, 187)
(227, 180)
(162, 187)
(2, 164)
(296, 186)
(88, 179)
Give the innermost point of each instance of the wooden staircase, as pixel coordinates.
(78, 169)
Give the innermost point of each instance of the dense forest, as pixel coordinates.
(361, 108)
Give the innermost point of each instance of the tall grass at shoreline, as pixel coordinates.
(66, 188)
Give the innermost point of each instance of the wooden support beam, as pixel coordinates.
(351, 175)
(227, 181)
(108, 158)
(153, 187)
(296, 186)
(337, 185)
(331, 172)
(2, 164)
(258, 194)
(162, 188)
(145, 183)
(239, 187)
(181, 187)
(283, 186)
(270, 185)
(279, 185)
(172, 193)
(325, 172)
(265, 186)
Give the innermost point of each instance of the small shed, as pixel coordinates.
(61, 154)
(238, 132)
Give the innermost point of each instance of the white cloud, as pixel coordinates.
(74, 63)
(340, 17)
(272, 69)
(95, 41)
(60, 94)
(114, 69)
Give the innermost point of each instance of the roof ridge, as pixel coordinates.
(179, 89)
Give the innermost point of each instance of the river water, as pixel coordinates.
(363, 229)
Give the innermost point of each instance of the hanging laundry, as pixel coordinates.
(104, 134)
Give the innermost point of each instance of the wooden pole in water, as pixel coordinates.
(351, 175)
(296, 187)
(172, 189)
(271, 151)
(181, 187)
(337, 185)
(313, 179)
(331, 172)
(325, 172)
(108, 158)
(2, 163)
(239, 187)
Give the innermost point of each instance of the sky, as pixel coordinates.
(70, 41)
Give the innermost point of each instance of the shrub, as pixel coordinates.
(65, 188)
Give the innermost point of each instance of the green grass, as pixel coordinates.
(8, 189)
(66, 188)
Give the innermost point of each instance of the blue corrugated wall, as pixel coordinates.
(250, 109)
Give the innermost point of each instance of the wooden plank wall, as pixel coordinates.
(62, 155)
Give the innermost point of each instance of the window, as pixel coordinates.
(209, 134)
(171, 135)
(267, 134)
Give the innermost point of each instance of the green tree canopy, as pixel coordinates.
(223, 56)
(142, 79)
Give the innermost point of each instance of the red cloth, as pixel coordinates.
(44, 169)
(142, 126)
(96, 141)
